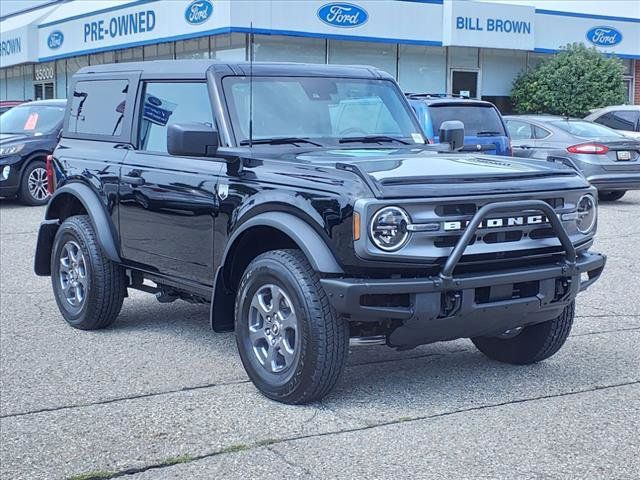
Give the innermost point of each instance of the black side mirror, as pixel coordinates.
(452, 132)
(192, 139)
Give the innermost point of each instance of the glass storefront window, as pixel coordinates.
(535, 59)
(61, 78)
(380, 55)
(161, 51)
(76, 63)
(422, 69)
(275, 48)
(463, 57)
(129, 55)
(232, 47)
(195, 48)
(102, 58)
(499, 69)
(3, 84)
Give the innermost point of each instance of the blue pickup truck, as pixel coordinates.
(485, 130)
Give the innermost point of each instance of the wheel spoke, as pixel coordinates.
(287, 353)
(270, 360)
(256, 335)
(288, 320)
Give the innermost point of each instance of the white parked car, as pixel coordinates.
(624, 118)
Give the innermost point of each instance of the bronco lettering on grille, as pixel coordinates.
(519, 221)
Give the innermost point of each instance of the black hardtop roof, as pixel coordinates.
(191, 68)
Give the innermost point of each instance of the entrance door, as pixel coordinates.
(464, 83)
(43, 91)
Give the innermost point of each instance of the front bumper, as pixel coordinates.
(10, 167)
(450, 305)
(615, 181)
(438, 310)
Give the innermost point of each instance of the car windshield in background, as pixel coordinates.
(319, 110)
(31, 120)
(583, 129)
(479, 120)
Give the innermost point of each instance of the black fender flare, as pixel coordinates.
(309, 240)
(303, 235)
(105, 231)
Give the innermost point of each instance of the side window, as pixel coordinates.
(520, 130)
(167, 103)
(97, 107)
(619, 120)
(540, 133)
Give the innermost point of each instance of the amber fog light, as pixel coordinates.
(587, 214)
(388, 229)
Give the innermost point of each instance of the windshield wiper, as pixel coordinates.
(373, 139)
(280, 141)
(488, 133)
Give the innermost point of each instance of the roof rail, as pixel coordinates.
(435, 95)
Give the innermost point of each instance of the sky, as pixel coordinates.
(620, 8)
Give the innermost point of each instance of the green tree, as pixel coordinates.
(571, 83)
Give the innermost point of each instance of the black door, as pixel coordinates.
(464, 83)
(168, 204)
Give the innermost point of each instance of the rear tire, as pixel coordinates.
(33, 185)
(291, 342)
(88, 287)
(533, 344)
(611, 196)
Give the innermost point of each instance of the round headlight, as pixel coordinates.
(388, 228)
(587, 214)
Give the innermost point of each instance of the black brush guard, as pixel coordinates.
(444, 307)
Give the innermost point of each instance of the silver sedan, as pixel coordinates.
(609, 160)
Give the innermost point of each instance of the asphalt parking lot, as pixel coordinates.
(160, 396)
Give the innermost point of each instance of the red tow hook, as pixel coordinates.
(50, 176)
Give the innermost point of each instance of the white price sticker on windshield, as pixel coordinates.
(417, 138)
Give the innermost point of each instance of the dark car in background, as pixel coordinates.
(28, 133)
(485, 130)
(608, 159)
(623, 118)
(6, 105)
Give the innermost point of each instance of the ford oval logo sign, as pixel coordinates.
(345, 15)
(155, 101)
(604, 36)
(55, 39)
(198, 11)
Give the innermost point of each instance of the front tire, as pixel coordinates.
(533, 344)
(611, 196)
(34, 184)
(88, 287)
(291, 342)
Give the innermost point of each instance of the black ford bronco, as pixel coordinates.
(302, 203)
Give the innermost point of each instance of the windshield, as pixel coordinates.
(324, 109)
(477, 119)
(31, 120)
(583, 129)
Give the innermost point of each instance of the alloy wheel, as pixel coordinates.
(38, 184)
(73, 275)
(273, 329)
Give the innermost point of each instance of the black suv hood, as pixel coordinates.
(402, 173)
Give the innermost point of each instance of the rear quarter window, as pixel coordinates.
(98, 107)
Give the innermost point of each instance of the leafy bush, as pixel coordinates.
(571, 83)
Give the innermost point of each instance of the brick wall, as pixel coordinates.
(636, 76)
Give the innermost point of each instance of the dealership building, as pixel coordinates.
(433, 46)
